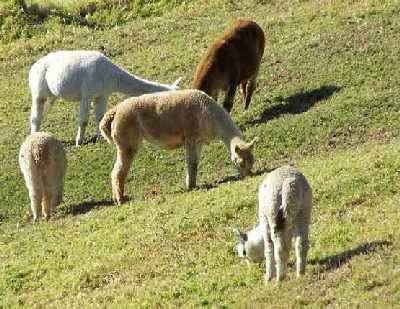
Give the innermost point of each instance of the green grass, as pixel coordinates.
(327, 101)
(22, 19)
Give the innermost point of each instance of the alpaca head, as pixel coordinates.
(242, 157)
(251, 244)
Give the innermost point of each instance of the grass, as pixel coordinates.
(326, 101)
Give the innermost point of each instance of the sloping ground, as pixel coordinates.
(327, 101)
(177, 250)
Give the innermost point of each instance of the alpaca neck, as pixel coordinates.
(256, 235)
(133, 85)
(227, 129)
(231, 136)
(255, 243)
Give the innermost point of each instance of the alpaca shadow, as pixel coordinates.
(232, 178)
(237, 177)
(336, 261)
(296, 104)
(92, 140)
(85, 207)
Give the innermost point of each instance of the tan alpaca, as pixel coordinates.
(43, 164)
(231, 60)
(173, 119)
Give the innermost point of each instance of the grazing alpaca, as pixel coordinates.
(285, 203)
(232, 60)
(85, 76)
(43, 164)
(188, 118)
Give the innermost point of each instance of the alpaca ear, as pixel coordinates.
(235, 231)
(250, 145)
(242, 236)
(238, 150)
(175, 84)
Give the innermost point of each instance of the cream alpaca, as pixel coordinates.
(43, 164)
(285, 203)
(85, 76)
(188, 118)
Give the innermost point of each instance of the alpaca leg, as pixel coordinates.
(36, 201)
(192, 160)
(301, 248)
(34, 185)
(281, 250)
(230, 95)
(83, 120)
(120, 171)
(35, 195)
(244, 90)
(100, 106)
(47, 202)
(250, 86)
(269, 257)
(50, 201)
(60, 184)
(36, 113)
(53, 182)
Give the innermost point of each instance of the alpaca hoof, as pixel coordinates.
(100, 139)
(279, 279)
(25, 219)
(118, 201)
(191, 185)
(267, 279)
(300, 274)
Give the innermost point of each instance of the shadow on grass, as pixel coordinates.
(85, 207)
(296, 104)
(232, 178)
(335, 261)
(92, 140)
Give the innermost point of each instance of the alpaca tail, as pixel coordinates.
(106, 125)
(37, 154)
(288, 209)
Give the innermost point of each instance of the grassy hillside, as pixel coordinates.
(327, 101)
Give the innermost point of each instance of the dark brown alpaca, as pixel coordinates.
(232, 60)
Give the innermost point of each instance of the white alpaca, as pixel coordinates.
(43, 164)
(285, 203)
(85, 76)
